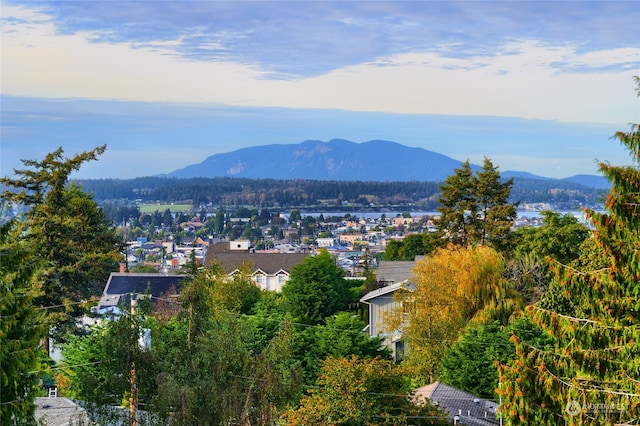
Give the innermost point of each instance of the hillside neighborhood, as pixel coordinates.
(255, 317)
(319, 213)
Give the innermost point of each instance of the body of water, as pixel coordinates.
(375, 215)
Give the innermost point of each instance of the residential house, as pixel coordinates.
(382, 305)
(405, 222)
(396, 271)
(121, 286)
(326, 242)
(270, 271)
(353, 237)
(393, 276)
(193, 225)
(463, 408)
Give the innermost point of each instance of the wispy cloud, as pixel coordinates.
(313, 37)
(563, 62)
(524, 78)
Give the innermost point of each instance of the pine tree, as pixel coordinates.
(592, 375)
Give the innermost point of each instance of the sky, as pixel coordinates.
(536, 86)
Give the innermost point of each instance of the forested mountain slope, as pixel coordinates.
(410, 195)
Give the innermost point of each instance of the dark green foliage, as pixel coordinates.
(538, 251)
(594, 360)
(99, 365)
(392, 250)
(216, 367)
(496, 212)
(471, 364)
(413, 245)
(560, 238)
(316, 289)
(21, 328)
(204, 362)
(260, 193)
(340, 337)
(76, 242)
(327, 195)
(458, 206)
(475, 208)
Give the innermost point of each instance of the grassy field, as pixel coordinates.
(150, 208)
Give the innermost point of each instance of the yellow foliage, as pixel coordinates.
(452, 287)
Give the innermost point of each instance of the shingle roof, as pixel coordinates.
(59, 412)
(157, 283)
(469, 409)
(120, 286)
(395, 271)
(270, 263)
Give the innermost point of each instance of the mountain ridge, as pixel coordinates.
(344, 160)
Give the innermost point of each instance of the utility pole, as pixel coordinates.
(133, 379)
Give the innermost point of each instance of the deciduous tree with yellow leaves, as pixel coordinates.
(452, 287)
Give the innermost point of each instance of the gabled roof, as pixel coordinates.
(383, 291)
(269, 263)
(467, 408)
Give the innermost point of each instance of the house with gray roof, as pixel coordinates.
(382, 305)
(270, 271)
(393, 276)
(463, 408)
(121, 285)
(395, 271)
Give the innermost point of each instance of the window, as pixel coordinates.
(399, 351)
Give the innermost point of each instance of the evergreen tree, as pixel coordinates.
(458, 207)
(21, 328)
(474, 209)
(76, 242)
(496, 214)
(592, 373)
(167, 218)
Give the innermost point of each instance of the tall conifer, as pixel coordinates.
(592, 373)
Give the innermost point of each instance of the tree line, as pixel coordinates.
(328, 195)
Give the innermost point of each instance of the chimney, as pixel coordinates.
(123, 267)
